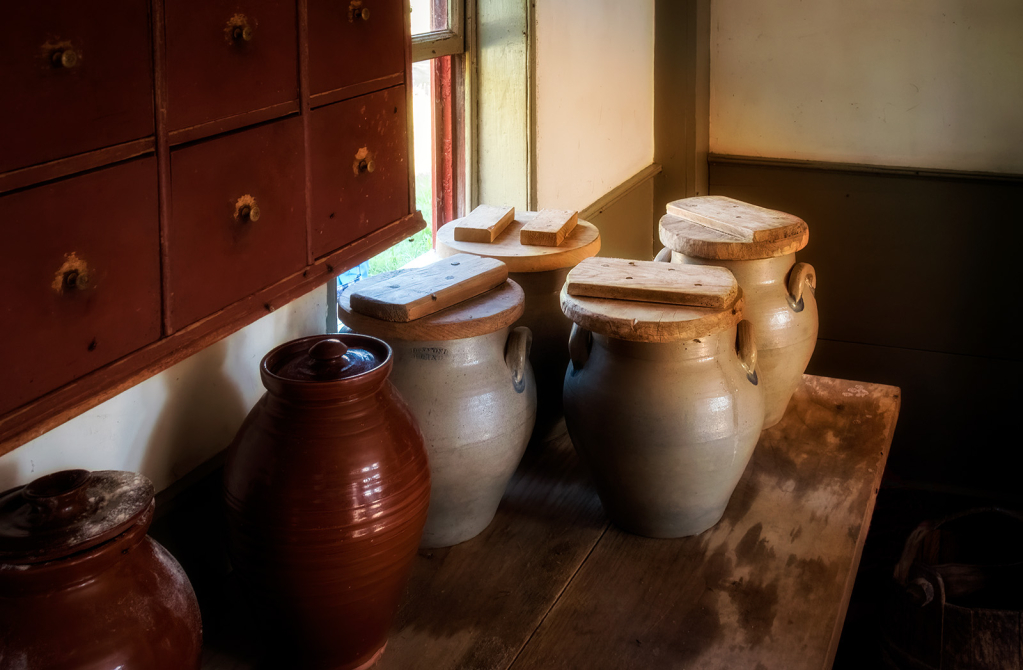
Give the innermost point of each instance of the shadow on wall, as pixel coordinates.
(202, 412)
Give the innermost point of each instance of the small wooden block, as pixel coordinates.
(417, 292)
(746, 222)
(650, 281)
(484, 224)
(549, 228)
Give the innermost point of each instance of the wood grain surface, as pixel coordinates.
(582, 242)
(549, 228)
(747, 222)
(768, 586)
(550, 584)
(485, 313)
(647, 321)
(699, 241)
(649, 281)
(483, 224)
(417, 292)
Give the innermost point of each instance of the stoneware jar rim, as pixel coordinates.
(68, 512)
(347, 384)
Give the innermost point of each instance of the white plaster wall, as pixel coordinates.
(918, 83)
(594, 97)
(176, 420)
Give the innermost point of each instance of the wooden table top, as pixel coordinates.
(551, 584)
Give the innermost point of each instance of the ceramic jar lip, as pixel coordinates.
(361, 382)
(77, 567)
(68, 512)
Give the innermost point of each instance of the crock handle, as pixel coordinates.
(664, 255)
(516, 354)
(746, 346)
(580, 341)
(801, 273)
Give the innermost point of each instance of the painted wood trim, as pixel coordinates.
(681, 101)
(605, 201)
(235, 122)
(63, 167)
(862, 168)
(49, 411)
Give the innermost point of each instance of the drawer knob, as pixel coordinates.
(65, 58)
(240, 33)
(239, 29)
(357, 11)
(247, 213)
(364, 165)
(76, 280)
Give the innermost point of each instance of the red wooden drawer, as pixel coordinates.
(213, 72)
(105, 97)
(345, 49)
(216, 254)
(346, 140)
(102, 225)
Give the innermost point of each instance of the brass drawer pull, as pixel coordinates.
(246, 210)
(73, 275)
(66, 58)
(357, 11)
(239, 29)
(364, 162)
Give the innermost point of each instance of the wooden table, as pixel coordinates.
(551, 584)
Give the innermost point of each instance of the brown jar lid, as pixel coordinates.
(649, 301)
(583, 241)
(68, 512)
(326, 358)
(720, 228)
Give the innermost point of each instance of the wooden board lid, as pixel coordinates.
(417, 292)
(483, 314)
(583, 241)
(647, 281)
(721, 228)
(647, 301)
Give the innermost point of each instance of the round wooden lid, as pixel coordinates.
(483, 314)
(647, 321)
(721, 228)
(582, 242)
(646, 301)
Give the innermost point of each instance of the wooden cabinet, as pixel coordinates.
(75, 78)
(359, 167)
(226, 59)
(165, 180)
(354, 42)
(81, 263)
(237, 218)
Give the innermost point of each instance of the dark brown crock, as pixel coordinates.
(83, 586)
(327, 489)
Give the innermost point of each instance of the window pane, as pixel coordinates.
(429, 15)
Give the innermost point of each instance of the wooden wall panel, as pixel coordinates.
(915, 290)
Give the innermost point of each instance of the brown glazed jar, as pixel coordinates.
(83, 586)
(327, 489)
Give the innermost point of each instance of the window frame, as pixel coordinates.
(448, 42)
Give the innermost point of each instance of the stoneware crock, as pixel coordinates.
(465, 374)
(664, 406)
(779, 293)
(327, 489)
(83, 586)
(541, 272)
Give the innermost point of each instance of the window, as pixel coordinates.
(439, 100)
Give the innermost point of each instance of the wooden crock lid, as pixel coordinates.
(582, 242)
(682, 314)
(721, 228)
(483, 314)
